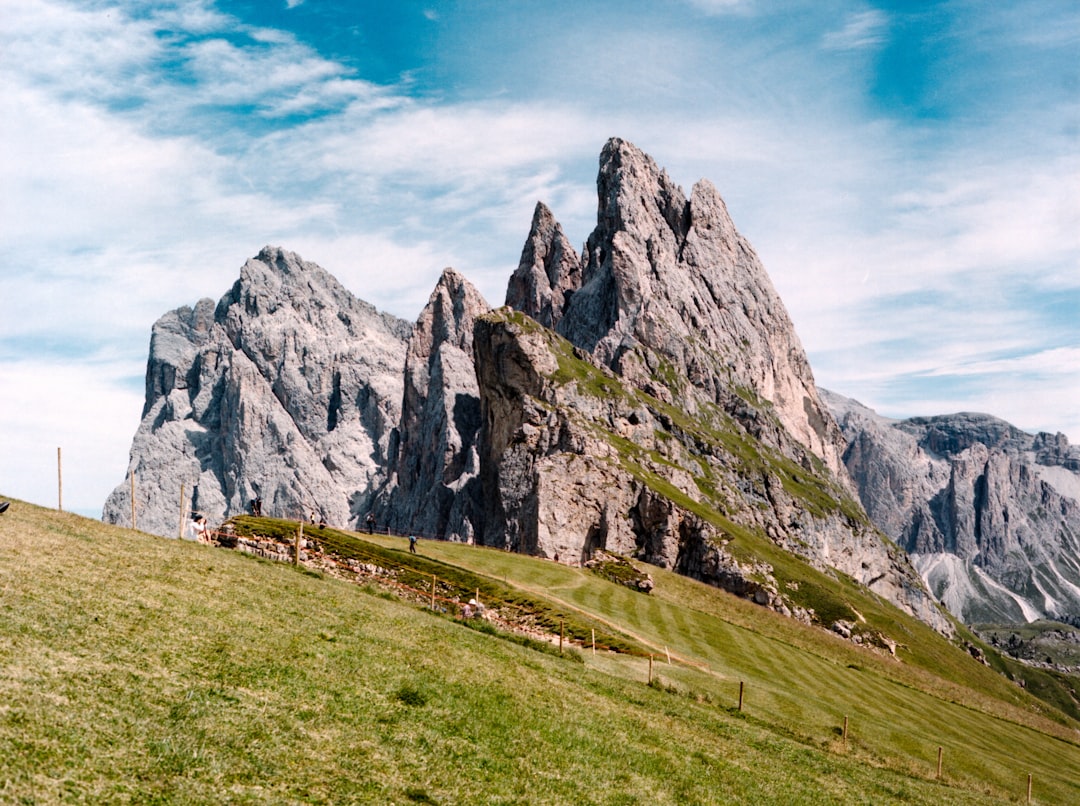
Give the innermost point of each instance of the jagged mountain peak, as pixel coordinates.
(634, 193)
(548, 273)
(669, 287)
(288, 391)
(433, 488)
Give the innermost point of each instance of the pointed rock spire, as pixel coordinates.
(548, 273)
(434, 489)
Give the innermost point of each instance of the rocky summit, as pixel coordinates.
(989, 513)
(287, 390)
(647, 396)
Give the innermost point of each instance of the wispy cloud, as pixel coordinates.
(721, 6)
(864, 29)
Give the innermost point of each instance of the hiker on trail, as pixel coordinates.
(370, 520)
(256, 506)
(322, 521)
(412, 543)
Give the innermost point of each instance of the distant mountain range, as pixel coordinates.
(988, 513)
(648, 396)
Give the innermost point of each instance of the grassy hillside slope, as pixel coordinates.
(135, 669)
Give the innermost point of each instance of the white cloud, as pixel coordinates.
(864, 29)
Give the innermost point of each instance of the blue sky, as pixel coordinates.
(908, 172)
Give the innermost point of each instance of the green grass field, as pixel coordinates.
(135, 669)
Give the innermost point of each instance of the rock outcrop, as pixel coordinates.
(989, 513)
(434, 489)
(574, 460)
(549, 271)
(287, 389)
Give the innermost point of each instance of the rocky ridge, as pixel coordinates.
(648, 397)
(676, 305)
(989, 513)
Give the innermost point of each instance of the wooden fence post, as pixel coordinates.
(650, 668)
(433, 592)
(133, 526)
(594, 641)
(1029, 788)
(845, 731)
(560, 636)
(59, 482)
(740, 694)
(299, 537)
(939, 754)
(180, 529)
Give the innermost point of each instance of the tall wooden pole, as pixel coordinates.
(299, 537)
(180, 529)
(133, 525)
(59, 482)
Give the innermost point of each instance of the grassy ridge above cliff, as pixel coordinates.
(143, 670)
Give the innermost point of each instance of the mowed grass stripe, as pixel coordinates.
(815, 694)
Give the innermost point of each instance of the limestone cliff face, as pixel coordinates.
(287, 389)
(574, 459)
(989, 513)
(434, 489)
(674, 302)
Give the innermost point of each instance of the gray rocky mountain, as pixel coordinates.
(434, 489)
(287, 389)
(989, 513)
(648, 397)
(674, 302)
